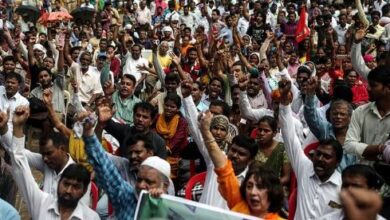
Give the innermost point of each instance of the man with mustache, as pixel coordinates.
(72, 184)
(319, 182)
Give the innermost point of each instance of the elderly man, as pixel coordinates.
(153, 172)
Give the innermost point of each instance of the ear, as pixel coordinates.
(150, 152)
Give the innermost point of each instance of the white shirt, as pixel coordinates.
(11, 104)
(89, 82)
(210, 194)
(41, 205)
(189, 20)
(242, 26)
(339, 215)
(378, 5)
(341, 33)
(131, 66)
(144, 16)
(314, 196)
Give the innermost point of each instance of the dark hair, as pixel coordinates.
(130, 77)
(246, 142)
(57, 138)
(217, 79)
(146, 106)
(239, 63)
(216, 12)
(9, 58)
(342, 91)
(174, 97)
(172, 77)
(271, 122)
(200, 85)
(74, 49)
(77, 172)
(375, 12)
(337, 147)
(304, 69)
(44, 69)
(190, 50)
(374, 181)
(269, 181)
(386, 9)
(380, 74)
(133, 139)
(225, 107)
(13, 75)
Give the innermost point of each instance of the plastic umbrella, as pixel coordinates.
(32, 12)
(54, 17)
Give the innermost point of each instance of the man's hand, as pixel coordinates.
(205, 121)
(186, 88)
(285, 92)
(243, 83)
(75, 86)
(359, 35)
(89, 124)
(156, 192)
(360, 204)
(3, 122)
(104, 114)
(175, 59)
(311, 86)
(47, 97)
(108, 88)
(20, 116)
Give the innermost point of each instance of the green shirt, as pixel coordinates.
(124, 107)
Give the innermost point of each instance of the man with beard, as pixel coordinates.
(319, 182)
(57, 87)
(370, 123)
(72, 184)
(143, 115)
(242, 151)
(153, 173)
(191, 65)
(255, 93)
(123, 99)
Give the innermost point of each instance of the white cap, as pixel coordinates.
(128, 27)
(159, 164)
(39, 47)
(167, 29)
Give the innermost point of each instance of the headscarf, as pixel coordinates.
(220, 121)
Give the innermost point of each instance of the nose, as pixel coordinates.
(142, 185)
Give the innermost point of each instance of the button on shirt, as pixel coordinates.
(131, 66)
(41, 205)
(314, 196)
(341, 33)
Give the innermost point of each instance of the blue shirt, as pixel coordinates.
(322, 129)
(7, 212)
(121, 194)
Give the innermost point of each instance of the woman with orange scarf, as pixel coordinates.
(173, 127)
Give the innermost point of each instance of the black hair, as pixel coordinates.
(146, 106)
(380, 74)
(217, 12)
(337, 147)
(57, 138)
(271, 122)
(217, 79)
(225, 107)
(13, 75)
(342, 91)
(130, 77)
(268, 180)
(200, 85)
(74, 48)
(304, 69)
(239, 63)
(44, 69)
(172, 77)
(190, 50)
(9, 58)
(375, 12)
(174, 97)
(374, 181)
(246, 142)
(137, 45)
(77, 172)
(386, 9)
(133, 139)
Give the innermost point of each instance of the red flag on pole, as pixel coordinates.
(303, 30)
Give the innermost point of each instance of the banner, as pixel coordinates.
(175, 208)
(303, 30)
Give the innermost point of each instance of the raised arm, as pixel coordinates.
(357, 60)
(293, 147)
(60, 77)
(158, 68)
(67, 56)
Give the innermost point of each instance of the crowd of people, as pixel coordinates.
(282, 107)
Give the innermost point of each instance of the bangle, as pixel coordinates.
(210, 141)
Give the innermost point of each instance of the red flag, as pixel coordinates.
(303, 30)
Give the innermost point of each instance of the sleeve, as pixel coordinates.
(357, 61)
(317, 124)
(248, 112)
(60, 79)
(180, 140)
(298, 159)
(109, 178)
(117, 130)
(23, 177)
(34, 160)
(191, 114)
(228, 184)
(97, 87)
(353, 144)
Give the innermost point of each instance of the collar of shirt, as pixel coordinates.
(334, 179)
(375, 110)
(70, 161)
(15, 97)
(77, 212)
(242, 175)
